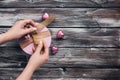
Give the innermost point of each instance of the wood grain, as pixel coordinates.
(59, 3)
(66, 57)
(80, 37)
(65, 17)
(89, 51)
(60, 74)
(97, 73)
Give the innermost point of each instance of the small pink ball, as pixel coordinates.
(45, 16)
(60, 34)
(54, 49)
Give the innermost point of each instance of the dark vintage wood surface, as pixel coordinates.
(65, 17)
(60, 3)
(89, 51)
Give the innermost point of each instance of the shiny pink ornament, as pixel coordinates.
(45, 16)
(54, 49)
(60, 34)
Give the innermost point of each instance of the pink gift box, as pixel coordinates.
(29, 48)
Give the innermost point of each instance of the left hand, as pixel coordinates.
(19, 29)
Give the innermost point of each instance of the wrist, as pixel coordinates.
(26, 74)
(4, 38)
(32, 68)
(8, 36)
(29, 68)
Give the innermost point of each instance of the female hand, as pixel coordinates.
(20, 29)
(40, 56)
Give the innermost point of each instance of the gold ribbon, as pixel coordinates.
(40, 35)
(36, 36)
(36, 39)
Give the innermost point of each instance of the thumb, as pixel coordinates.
(39, 47)
(29, 30)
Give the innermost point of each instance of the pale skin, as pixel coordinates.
(39, 57)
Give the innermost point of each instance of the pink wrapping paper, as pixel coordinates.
(29, 48)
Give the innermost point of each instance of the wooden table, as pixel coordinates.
(89, 51)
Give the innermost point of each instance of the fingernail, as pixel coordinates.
(34, 29)
(36, 24)
(40, 42)
(28, 36)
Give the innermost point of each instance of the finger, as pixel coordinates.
(29, 21)
(46, 49)
(33, 48)
(29, 30)
(39, 47)
(27, 36)
(37, 24)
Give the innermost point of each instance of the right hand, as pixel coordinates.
(40, 56)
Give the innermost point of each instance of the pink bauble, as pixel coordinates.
(54, 49)
(60, 34)
(45, 16)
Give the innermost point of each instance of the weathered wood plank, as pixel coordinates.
(60, 74)
(65, 17)
(68, 79)
(66, 57)
(94, 73)
(12, 73)
(85, 58)
(59, 3)
(80, 37)
(12, 57)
